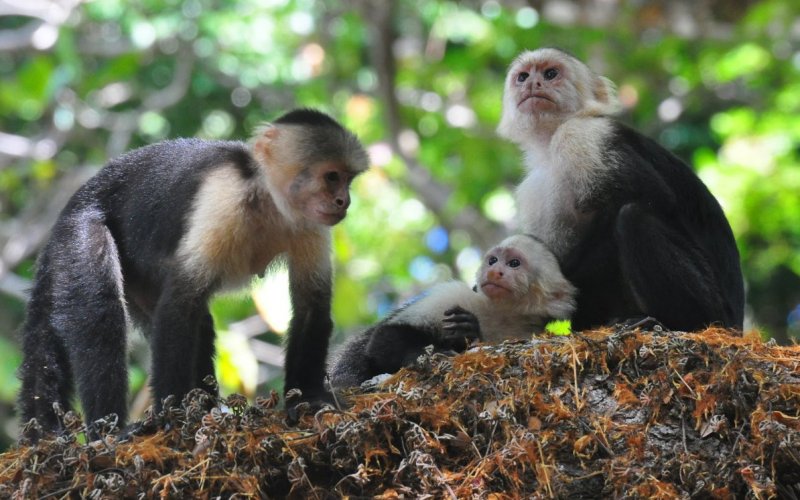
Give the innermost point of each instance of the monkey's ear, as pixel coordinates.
(266, 131)
(604, 98)
(561, 300)
(604, 90)
(264, 140)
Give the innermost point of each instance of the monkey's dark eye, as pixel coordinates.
(332, 177)
(550, 73)
(514, 263)
(522, 76)
(492, 260)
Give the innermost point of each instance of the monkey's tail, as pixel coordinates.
(45, 371)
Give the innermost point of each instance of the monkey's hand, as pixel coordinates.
(459, 328)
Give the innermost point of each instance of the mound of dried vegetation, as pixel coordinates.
(606, 413)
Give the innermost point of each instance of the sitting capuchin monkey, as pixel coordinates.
(519, 289)
(632, 226)
(156, 232)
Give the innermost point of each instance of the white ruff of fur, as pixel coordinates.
(270, 149)
(561, 175)
(563, 147)
(233, 230)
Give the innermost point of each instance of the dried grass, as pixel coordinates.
(600, 414)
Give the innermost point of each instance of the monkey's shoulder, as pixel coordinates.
(580, 142)
(164, 178)
(602, 154)
(180, 157)
(587, 141)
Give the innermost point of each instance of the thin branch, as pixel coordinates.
(432, 193)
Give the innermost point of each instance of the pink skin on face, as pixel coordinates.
(536, 83)
(500, 270)
(330, 204)
(537, 103)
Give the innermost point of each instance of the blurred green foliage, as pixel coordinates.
(114, 75)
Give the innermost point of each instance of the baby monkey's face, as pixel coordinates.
(504, 274)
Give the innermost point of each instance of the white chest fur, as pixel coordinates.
(230, 234)
(561, 175)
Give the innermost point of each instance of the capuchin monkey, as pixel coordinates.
(632, 226)
(519, 289)
(156, 232)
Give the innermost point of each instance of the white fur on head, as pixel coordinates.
(582, 93)
(550, 294)
(273, 149)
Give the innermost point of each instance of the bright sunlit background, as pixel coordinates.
(421, 83)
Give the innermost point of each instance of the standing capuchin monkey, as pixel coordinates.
(519, 289)
(633, 227)
(156, 232)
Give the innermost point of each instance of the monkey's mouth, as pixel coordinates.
(535, 95)
(491, 288)
(331, 218)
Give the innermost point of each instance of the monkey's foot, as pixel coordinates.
(648, 323)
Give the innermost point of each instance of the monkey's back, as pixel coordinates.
(659, 184)
(146, 194)
(690, 206)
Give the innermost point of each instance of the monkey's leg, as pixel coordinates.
(45, 372)
(89, 313)
(307, 348)
(204, 359)
(668, 273)
(393, 346)
(310, 282)
(350, 365)
(174, 344)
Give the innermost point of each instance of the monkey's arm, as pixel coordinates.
(180, 329)
(388, 346)
(384, 348)
(310, 279)
(394, 345)
(593, 268)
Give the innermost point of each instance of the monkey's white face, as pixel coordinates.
(544, 88)
(538, 86)
(521, 274)
(504, 274)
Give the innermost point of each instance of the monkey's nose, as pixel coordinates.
(494, 273)
(342, 201)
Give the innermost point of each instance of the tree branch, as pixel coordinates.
(432, 193)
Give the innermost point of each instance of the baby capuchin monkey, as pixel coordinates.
(519, 289)
(156, 232)
(632, 226)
